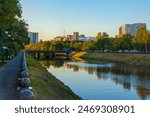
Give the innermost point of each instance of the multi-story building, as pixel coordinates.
(58, 38)
(33, 37)
(130, 28)
(69, 37)
(73, 37)
(76, 36)
(120, 30)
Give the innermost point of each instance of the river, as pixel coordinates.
(98, 80)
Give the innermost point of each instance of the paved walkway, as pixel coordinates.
(8, 79)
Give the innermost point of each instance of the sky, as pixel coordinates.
(53, 18)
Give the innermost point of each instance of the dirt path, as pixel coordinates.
(8, 79)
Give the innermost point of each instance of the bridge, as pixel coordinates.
(49, 54)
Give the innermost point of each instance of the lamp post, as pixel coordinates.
(3, 48)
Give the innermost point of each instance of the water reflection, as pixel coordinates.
(131, 78)
(54, 63)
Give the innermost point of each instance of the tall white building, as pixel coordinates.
(130, 28)
(34, 36)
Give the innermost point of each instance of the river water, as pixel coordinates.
(98, 80)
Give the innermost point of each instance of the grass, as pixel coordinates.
(137, 59)
(45, 85)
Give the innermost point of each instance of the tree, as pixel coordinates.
(77, 46)
(57, 45)
(88, 46)
(101, 35)
(9, 9)
(117, 44)
(142, 38)
(19, 31)
(126, 42)
(11, 21)
(105, 35)
(104, 44)
(82, 36)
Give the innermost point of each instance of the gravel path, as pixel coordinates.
(8, 78)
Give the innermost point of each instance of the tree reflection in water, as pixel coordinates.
(121, 74)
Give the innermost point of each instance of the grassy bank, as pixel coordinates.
(45, 85)
(137, 59)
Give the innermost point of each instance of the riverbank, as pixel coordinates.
(136, 59)
(45, 85)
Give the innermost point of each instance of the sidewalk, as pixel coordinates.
(8, 78)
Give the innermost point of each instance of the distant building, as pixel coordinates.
(69, 38)
(84, 39)
(92, 38)
(76, 36)
(120, 30)
(33, 37)
(130, 28)
(58, 38)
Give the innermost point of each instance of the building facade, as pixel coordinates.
(33, 37)
(58, 38)
(76, 36)
(120, 30)
(130, 28)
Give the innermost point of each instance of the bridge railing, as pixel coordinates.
(50, 54)
(24, 84)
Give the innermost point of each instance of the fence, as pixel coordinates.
(24, 84)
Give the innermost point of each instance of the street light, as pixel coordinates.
(3, 48)
(6, 32)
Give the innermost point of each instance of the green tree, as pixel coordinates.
(9, 9)
(11, 21)
(82, 36)
(57, 45)
(142, 39)
(104, 44)
(126, 42)
(102, 35)
(77, 46)
(88, 46)
(117, 44)
(99, 36)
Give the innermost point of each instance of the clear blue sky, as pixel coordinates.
(51, 17)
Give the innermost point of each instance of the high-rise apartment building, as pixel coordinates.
(130, 28)
(33, 37)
